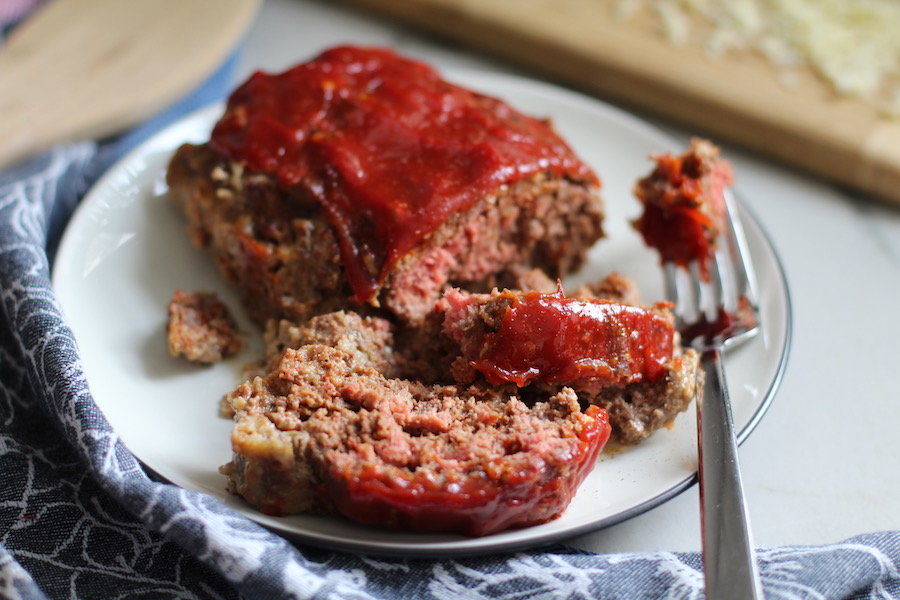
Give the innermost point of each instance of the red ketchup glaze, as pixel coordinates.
(551, 338)
(500, 497)
(684, 207)
(722, 326)
(386, 147)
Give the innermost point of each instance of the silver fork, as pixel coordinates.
(712, 316)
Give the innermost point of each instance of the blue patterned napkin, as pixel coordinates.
(79, 517)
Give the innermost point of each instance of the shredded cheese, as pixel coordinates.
(853, 45)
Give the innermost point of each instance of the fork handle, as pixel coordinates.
(729, 558)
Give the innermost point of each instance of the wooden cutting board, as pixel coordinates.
(80, 69)
(737, 98)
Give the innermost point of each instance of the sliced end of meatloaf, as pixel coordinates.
(363, 178)
(274, 244)
(638, 410)
(325, 432)
(623, 357)
(269, 242)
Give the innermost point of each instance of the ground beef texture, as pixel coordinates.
(200, 328)
(324, 432)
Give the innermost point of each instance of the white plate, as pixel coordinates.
(125, 251)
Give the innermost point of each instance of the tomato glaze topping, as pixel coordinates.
(684, 205)
(501, 494)
(551, 338)
(387, 148)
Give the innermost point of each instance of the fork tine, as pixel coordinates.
(744, 280)
(683, 289)
(718, 288)
(700, 290)
(670, 273)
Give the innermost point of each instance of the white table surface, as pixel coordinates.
(824, 463)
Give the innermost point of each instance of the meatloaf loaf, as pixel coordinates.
(362, 179)
(325, 432)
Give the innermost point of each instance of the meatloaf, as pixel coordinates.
(200, 328)
(349, 415)
(683, 204)
(324, 432)
(362, 180)
(623, 357)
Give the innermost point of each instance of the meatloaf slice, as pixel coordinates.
(324, 432)
(362, 178)
(623, 357)
(439, 352)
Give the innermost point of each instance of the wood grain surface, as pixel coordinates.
(738, 97)
(87, 68)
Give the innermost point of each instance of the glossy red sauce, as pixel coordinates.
(498, 498)
(684, 207)
(551, 338)
(722, 326)
(387, 148)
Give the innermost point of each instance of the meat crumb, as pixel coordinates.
(201, 328)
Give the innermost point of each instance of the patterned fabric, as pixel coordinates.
(79, 517)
